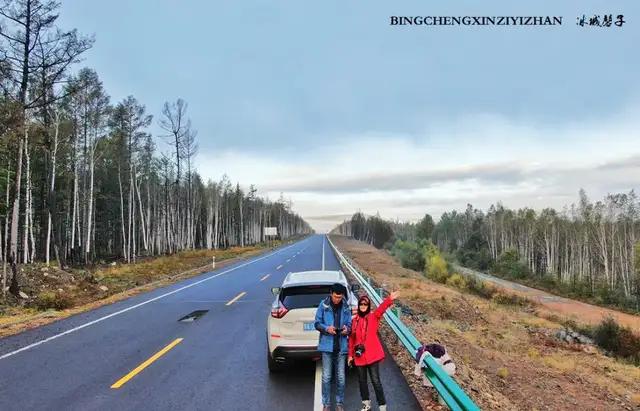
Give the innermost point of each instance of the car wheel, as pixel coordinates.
(274, 367)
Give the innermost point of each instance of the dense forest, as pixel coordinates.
(82, 178)
(373, 230)
(592, 245)
(589, 250)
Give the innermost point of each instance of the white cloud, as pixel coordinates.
(478, 159)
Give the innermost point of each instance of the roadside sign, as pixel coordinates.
(271, 231)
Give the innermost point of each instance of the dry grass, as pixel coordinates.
(511, 299)
(560, 362)
(537, 322)
(161, 266)
(12, 315)
(448, 326)
(411, 284)
(626, 373)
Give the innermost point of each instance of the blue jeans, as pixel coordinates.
(331, 362)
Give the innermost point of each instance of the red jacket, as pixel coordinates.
(365, 331)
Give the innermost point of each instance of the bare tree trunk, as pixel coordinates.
(53, 185)
(74, 213)
(93, 234)
(132, 214)
(2, 254)
(142, 219)
(241, 221)
(14, 288)
(31, 225)
(129, 221)
(87, 249)
(216, 220)
(147, 222)
(125, 255)
(6, 236)
(165, 211)
(25, 242)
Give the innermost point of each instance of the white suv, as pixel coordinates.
(290, 327)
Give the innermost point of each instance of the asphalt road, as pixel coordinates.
(217, 362)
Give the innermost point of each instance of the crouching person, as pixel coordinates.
(365, 349)
(333, 320)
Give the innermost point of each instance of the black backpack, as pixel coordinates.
(436, 350)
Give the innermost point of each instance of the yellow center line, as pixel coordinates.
(279, 267)
(145, 364)
(265, 277)
(236, 298)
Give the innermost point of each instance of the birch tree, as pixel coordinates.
(586, 244)
(24, 25)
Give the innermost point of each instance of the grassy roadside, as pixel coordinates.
(54, 294)
(613, 330)
(508, 357)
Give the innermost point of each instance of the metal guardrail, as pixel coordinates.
(450, 392)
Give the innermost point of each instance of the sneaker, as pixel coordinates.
(383, 407)
(366, 405)
(339, 407)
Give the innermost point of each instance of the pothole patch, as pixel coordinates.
(191, 317)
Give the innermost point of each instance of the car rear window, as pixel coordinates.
(308, 296)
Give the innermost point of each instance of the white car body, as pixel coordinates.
(290, 327)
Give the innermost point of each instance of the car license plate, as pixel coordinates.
(308, 327)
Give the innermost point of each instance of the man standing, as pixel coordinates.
(333, 320)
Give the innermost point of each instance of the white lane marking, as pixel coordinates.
(53, 337)
(302, 251)
(279, 267)
(265, 277)
(245, 300)
(323, 253)
(317, 389)
(288, 260)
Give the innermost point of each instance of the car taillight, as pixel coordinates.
(280, 311)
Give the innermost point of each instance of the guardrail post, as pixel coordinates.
(213, 262)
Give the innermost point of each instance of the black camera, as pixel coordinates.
(359, 350)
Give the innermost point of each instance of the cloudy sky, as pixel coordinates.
(330, 105)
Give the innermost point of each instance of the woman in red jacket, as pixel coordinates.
(365, 349)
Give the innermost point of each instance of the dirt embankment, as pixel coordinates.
(507, 357)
